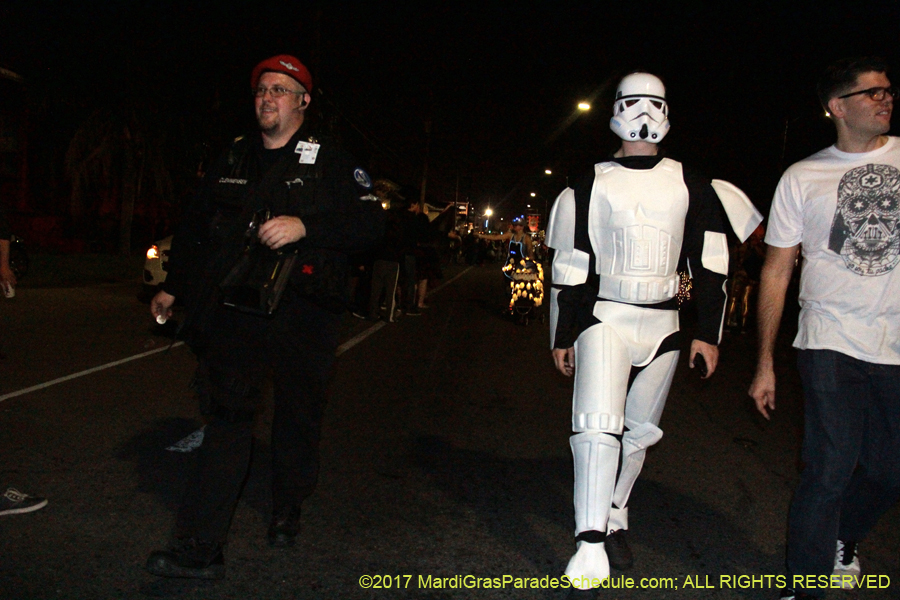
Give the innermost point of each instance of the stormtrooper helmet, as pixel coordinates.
(640, 112)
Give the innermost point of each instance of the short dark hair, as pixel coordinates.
(841, 76)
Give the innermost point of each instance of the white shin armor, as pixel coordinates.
(596, 457)
(618, 519)
(634, 449)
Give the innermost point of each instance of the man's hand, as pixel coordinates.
(161, 305)
(7, 276)
(564, 360)
(710, 354)
(282, 230)
(762, 390)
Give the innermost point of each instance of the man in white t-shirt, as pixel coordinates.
(842, 207)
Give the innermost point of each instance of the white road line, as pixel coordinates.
(361, 336)
(341, 349)
(449, 281)
(87, 372)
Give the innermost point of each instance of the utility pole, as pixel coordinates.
(425, 167)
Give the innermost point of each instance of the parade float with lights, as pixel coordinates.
(526, 287)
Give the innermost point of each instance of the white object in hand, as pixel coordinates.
(161, 319)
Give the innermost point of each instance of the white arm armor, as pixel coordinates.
(570, 266)
(715, 253)
(742, 215)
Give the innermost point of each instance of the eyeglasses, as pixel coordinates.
(277, 91)
(875, 93)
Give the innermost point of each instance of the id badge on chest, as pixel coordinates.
(308, 152)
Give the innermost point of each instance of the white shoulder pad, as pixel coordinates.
(561, 225)
(742, 215)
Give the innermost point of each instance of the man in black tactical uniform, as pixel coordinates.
(285, 199)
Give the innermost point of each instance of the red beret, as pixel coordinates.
(283, 63)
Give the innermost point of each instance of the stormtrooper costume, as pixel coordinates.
(618, 238)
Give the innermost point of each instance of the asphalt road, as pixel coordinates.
(445, 459)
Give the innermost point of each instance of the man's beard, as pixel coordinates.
(268, 123)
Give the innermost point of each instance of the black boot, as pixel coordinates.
(284, 527)
(617, 550)
(191, 558)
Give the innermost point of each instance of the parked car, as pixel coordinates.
(155, 265)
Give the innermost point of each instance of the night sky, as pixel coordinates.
(497, 81)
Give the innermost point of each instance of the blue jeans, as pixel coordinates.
(851, 451)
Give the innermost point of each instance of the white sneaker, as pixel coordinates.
(846, 565)
(190, 443)
(14, 502)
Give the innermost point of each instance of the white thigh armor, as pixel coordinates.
(601, 380)
(604, 354)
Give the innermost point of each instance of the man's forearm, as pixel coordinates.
(774, 281)
(4, 254)
(771, 307)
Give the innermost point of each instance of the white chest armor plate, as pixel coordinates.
(636, 226)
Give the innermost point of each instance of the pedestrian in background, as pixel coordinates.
(395, 244)
(12, 502)
(7, 277)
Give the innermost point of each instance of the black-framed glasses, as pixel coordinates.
(277, 91)
(875, 93)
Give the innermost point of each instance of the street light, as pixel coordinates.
(584, 106)
(548, 172)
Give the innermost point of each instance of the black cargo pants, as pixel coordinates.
(296, 348)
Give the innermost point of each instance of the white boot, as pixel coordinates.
(596, 458)
(588, 566)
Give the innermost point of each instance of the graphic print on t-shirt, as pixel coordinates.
(864, 230)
